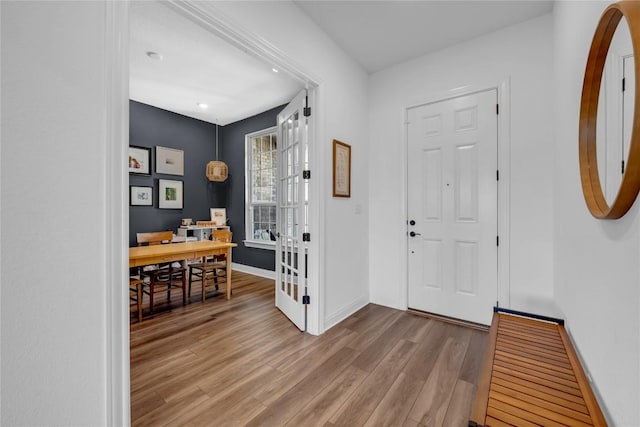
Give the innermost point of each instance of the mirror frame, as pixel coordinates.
(589, 177)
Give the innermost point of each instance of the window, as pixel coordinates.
(261, 153)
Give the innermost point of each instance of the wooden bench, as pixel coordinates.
(531, 376)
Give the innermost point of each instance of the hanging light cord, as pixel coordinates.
(217, 141)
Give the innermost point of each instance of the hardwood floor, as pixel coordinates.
(241, 362)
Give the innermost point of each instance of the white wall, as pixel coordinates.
(55, 108)
(342, 116)
(53, 166)
(53, 359)
(521, 53)
(597, 278)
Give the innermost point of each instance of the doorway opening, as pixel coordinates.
(216, 24)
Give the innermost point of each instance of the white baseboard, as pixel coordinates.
(334, 319)
(267, 274)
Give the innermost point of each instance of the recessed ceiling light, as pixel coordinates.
(154, 55)
(203, 105)
(275, 70)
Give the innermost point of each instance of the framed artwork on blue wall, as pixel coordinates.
(139, 160)
(169, 161)
(141, 196)
(170, 194)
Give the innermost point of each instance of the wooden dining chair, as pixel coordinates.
(211, 267)
(162, 277)
(135, 294)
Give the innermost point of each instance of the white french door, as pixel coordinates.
(292, 211)
(453, 207)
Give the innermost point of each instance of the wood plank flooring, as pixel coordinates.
(241, 362)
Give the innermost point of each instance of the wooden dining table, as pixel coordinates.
(155, 254)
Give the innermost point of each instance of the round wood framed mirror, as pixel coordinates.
(590, 179)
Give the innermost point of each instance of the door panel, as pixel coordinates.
(452, 192)
(466, 179)
(433, 184)
(292, 197)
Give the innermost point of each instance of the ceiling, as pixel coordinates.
(379, 34)
(198, 67)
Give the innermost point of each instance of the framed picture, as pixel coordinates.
(169, 161)
(219, 216)
(170, 194)
(341, 169)
(141, 196)
(139, 160)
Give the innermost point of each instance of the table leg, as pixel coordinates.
(139, 292)
(185, 264)
(228, 273)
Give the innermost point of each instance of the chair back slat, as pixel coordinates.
(154, 238)
(222, 236)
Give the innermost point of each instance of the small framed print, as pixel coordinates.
(170, 194)
(139, 160)
(219, 216)
(341, 169)
(169, 161)
(141, 196)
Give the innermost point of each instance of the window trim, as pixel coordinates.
(254, 243)
(260, 244)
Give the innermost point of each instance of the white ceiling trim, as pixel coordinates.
(224, 27)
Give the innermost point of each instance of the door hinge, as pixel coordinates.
(624, 85)
(497, 240)
(497, 108)
(497, 175)
(497, 304)
(306, 174)
(622, 169)
(306, 237)
(306, 299)
(306, 110)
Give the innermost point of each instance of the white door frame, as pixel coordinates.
(504, 142)
(117, 375)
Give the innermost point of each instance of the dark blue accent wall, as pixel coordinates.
(150, 127)
(232, 151)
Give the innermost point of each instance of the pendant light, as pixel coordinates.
(217, 170)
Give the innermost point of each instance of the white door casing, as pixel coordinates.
(615, 121)
(615, 111)
(453, 198)
(628, 99)
(292, 210)
(117, 129)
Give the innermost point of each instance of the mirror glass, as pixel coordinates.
(615, 111)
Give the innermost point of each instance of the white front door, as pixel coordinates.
(292, 210)
(452, 206)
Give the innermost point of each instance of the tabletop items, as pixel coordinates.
(202, 230)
